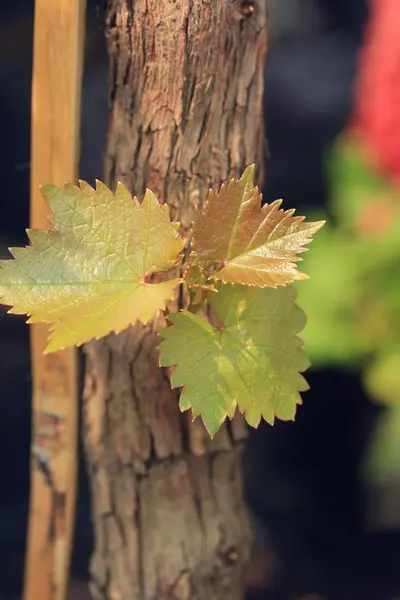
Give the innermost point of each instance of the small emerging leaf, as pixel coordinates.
(198, 283)
(252, 359)
(250, 244)
(89, 276)
(195, 276)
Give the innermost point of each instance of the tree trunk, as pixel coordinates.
(186, 82)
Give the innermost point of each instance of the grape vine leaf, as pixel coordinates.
(252, 359)
(88, 277)
(248, 243)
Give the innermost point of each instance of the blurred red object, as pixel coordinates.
(376, 112)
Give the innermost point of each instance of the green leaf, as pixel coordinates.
(248, 244)
(252, 357)
(90, 276)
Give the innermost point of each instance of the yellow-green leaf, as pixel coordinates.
(248, 243)
(89, 276)
(252, 358)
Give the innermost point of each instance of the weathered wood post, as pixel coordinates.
(56, 96)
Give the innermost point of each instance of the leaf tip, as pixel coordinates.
(85, 186)
(102, 188)
(318, 225)
(48, 190)
(48, 350)
(248, 173)
(52, 347)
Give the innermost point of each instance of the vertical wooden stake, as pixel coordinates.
(56, 92)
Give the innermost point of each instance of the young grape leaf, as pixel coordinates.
(252, 358)
(195, 277)
(89, 276)
(247, 243)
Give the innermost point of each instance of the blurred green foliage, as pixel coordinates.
(353, 298)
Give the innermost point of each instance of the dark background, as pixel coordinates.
(301, 480)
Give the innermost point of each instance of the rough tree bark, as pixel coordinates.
(186, 82)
